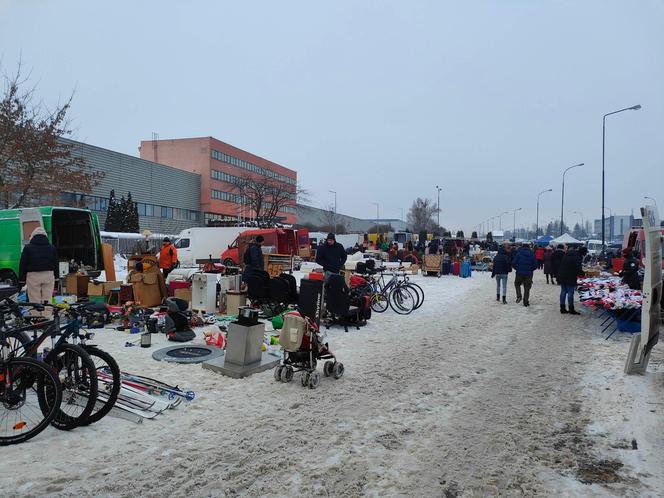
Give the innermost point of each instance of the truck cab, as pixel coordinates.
(635, 239)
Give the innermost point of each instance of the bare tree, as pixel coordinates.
(267, 197)
(420, 215)
(35, 164)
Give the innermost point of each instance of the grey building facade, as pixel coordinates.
(310, 215)
(614, 226)
(168, 199)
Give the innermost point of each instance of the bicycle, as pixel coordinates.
(71, 363)
(24, 383)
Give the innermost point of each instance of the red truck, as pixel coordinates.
(284, 240)
(636, 239)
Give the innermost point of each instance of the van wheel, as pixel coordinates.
(8, 277)
(229, 262)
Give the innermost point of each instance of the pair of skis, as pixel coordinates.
(141, 397)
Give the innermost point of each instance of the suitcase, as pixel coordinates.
(456, 268)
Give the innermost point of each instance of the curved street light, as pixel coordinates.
(514, 226)
(562, 202)
(537, 220)
(633, 108)
(654, 200)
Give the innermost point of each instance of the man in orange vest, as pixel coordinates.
(168, 257)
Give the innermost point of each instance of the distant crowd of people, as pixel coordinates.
(561, 265)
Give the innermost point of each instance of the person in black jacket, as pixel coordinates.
(556, 259)
(570, 269)
(630, 271)
(253, 257)
(331, 256)
(502, 265)
(39, 268)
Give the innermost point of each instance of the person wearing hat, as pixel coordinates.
(331, 256)
(630, 271)
(253, 257)
(39, 268)
(168, 257)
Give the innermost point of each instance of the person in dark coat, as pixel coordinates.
(570, 269)
(501, 267)
(38, 268)
(331, 256)
(524, 264)
(253, 257)
(556, 259)
(548, 264)
(630, 271)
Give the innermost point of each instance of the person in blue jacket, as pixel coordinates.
(501, 267)
(524, 264)
(331, 255)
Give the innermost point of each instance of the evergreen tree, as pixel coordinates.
(132, 215)
(460, 234)
(473, 235)
(111, 224)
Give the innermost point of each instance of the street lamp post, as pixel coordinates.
(377, 218)
(652, 199)
(438, 189)
(562, 202)
(633, 108)
(537, 220)
(500, 220)
(335, 211)
(514, 225)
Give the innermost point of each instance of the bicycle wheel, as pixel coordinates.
(108, 376)
(419, 291)
(379, 302)
(25, 380)
(402, 300)
(78, 377)
(17, 342)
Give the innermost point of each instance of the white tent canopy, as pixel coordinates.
(565, 239)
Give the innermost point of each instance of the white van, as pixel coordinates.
(204, 242)
(594, 247)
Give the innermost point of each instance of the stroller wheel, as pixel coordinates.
(287, 373)
(304, 379)
(277, 372)
(338, 370)
(314, 380)
(328, 368)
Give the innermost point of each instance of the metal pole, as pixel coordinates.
(334, 229)
(633, 108)
(652, 199)
(438, 204)
(562, 202)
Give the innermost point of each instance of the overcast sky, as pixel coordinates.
(378, 100)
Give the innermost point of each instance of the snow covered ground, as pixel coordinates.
(465, 397)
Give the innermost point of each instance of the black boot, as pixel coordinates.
(572, 311)
(563, 310)
(497, 297)
(518, 299)
(504, 300)
(526, 303)
(547, 279)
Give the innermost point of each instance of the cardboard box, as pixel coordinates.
(149, 288)
(109, 286)
(183, 294)
(77, 284)
(95, 289)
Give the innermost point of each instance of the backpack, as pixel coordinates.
(246, 257)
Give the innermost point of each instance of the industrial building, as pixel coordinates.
(221, 166)
(168, 199)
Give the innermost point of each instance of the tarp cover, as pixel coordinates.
(566, 239)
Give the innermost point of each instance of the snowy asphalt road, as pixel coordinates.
(465, 397)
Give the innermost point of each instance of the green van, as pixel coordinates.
(74, 232)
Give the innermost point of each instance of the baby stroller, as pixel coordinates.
(303, 343)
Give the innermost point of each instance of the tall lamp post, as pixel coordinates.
(438, 189)
(537, 220)
(514, 225)
(500, 220)
(633, 108)
(377, 218)
(606, 208)
(655, 201)
(562, 201)
(335, 211)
